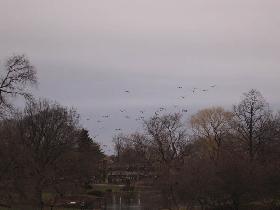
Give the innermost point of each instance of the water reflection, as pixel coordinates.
(124, 201)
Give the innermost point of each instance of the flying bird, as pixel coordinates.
(179, 87)
(204, 90)
(184, 110)
(161, 109)
(212, 86)
(118, 129)
(194, 89)
(127, 91)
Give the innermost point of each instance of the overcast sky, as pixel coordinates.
(88, 52)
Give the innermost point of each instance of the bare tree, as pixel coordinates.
(119, 142)
(8, 155)
(251, 116)
(16, 76)
(47, 136)
(212, 125)
(167, 139)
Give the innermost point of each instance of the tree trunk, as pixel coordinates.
(39, 199)
(235, 202)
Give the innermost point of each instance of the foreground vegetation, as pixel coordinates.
(43, 148)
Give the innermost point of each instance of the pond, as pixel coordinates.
(121, 201)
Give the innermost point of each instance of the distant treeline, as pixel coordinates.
(220, 159)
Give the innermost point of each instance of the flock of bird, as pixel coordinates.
(140, 116)
(100, 122)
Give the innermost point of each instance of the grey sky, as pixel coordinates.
(88, 52)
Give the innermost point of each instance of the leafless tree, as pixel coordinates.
(18, 74)
(167, 139)
(212, 125)
(120, 143)
(251, 117)
(8, 155)
(46, 136)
